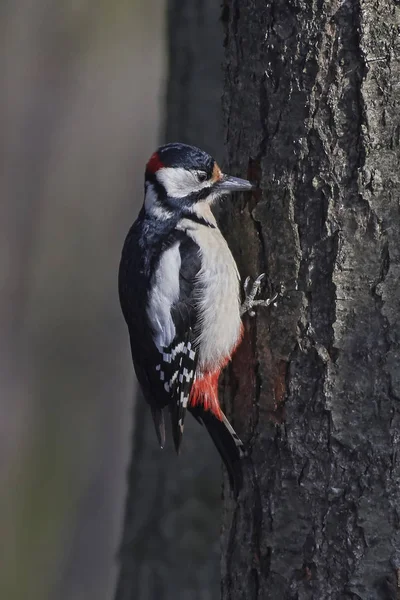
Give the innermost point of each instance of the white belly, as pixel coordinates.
(218, 300)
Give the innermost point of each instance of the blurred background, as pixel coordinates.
(89, 89)
(82, 89)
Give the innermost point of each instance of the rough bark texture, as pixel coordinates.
(311, 109)
(170, 545)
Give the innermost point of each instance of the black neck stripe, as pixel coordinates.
(193, 217)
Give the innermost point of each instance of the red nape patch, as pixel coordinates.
(205, 393)
(154, 163)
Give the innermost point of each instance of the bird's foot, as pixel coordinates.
(251, 291)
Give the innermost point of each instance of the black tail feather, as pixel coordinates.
(159, 424)
(177, 419)
(227, 442)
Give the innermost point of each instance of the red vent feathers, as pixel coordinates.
(205, 388)
(205, 392)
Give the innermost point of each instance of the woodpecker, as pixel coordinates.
(179, 290)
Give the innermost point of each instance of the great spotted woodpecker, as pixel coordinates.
(180, 296)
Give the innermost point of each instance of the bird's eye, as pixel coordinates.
(201, 176)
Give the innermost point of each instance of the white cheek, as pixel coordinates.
(179, 182)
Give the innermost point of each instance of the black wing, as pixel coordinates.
(181, 355)
(165, 375)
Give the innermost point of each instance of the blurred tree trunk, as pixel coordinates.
(170, 546)
(312, 112)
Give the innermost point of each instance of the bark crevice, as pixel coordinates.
(318, 123)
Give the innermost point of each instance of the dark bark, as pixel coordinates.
(311, 110)
(170, 546)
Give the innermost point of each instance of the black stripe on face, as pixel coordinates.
(197, 219)
(200, 195)
(188, 200)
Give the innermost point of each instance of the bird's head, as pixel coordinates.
(182, 177)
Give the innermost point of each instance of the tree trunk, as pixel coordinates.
(311, 111)
(170, 546)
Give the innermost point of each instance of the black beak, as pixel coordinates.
(234, 184)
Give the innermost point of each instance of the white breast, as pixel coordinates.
(219, 296)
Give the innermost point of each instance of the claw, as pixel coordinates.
(246, 285)
(250, 294)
